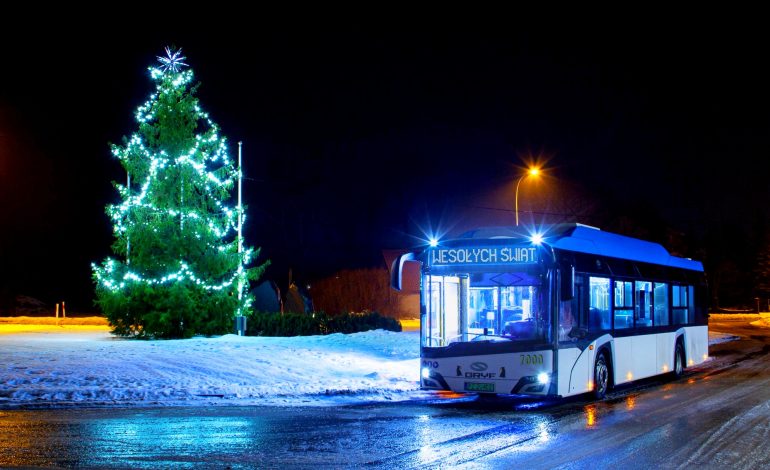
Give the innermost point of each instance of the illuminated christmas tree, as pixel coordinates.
(178, 227)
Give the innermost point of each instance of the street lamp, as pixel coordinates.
(530, 172)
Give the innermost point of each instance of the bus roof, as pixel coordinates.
(586, 239)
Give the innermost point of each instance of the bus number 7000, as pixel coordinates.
(531, 359)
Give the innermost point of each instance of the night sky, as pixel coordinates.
(357, 136)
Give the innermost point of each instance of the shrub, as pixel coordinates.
(296, 324)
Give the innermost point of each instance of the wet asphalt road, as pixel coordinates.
(717, 416)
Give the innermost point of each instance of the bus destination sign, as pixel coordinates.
(483, 255)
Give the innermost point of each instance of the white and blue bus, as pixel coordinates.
(575, 310)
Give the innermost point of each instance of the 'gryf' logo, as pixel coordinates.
(479, 371)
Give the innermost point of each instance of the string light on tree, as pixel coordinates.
(175, 224)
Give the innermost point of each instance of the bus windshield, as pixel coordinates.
(508, 306)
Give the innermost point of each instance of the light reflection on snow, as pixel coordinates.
(427, 454)
(425, 436)
(543, 433)
(630, 402)
(590, 414)
(529, 406)
(538, 435)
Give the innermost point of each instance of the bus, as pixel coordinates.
(568, 311)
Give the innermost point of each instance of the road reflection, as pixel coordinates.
(155, 438)
(148, 438)
(590, 415)
(630, 402)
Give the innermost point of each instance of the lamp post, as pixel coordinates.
(530, 172)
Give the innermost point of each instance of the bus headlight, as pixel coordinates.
(543, 378)
(425, 373)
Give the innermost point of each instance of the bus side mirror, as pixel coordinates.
(396, 269)
(567, 281)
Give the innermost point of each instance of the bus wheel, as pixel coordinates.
(678, 360)
(601, 376)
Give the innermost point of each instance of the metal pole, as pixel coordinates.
(240, 320)
(128, 237)
(517, 199)
(240, 207)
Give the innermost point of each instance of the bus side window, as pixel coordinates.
(660, 297)
(624, 304)
(599, 304)
(680, 304)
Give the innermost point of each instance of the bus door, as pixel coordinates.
(441, 324)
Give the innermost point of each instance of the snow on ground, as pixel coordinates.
(50, 365)
(68, 365)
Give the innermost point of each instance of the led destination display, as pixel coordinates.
(483, 255)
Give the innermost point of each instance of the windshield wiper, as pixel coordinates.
(509, 338)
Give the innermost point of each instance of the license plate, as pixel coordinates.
(479, 387)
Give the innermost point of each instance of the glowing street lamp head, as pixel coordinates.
(532, 171)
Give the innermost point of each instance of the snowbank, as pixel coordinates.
(716, 338)
(735, 316)
(65, 367)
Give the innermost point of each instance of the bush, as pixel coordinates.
(178, 310)
(298, 324)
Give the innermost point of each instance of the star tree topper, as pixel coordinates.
(173, 60)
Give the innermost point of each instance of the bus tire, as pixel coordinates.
(601, 375)
(679, 360)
